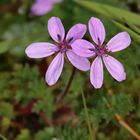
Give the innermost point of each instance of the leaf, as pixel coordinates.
(20, 35)
(120, 107)
(4, 46)
(45, 134)
(19, 41)
(24, 135)
(100, 109)
(73, 133)
(111, 12)
(9, 113)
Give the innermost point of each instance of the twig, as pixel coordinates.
(68, 85)
(126, 126)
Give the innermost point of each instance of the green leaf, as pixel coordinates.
(120, 107)
(6, 110)
(111, 12)
(45, 134)
(20, 35)
(101, 110)
(4, 46)
(19, 41)
(73, 133)
(24, 135)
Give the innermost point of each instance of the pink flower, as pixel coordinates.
(62, 46)
(41, 7)
(84, 48)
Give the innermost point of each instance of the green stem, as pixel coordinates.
(87, 117)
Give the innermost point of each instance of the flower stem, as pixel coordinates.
(87, 116)
(68, 85)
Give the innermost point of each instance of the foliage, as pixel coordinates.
(29, 108)
(105, 107)
(74, 133)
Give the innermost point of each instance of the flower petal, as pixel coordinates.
(76, 32)
(40, 50)
(119, 42)
(41, 7)
(80, 63)
(97, 30)
(83, 48)
(96, 72)
(115, 68)
(56, 29)
(55, 69)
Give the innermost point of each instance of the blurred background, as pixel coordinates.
(28, 106)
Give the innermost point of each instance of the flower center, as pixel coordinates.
(99, 50)
(63, 46)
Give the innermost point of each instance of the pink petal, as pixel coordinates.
(40, 50)
(55, 69)
(96, 73)
(115, 68)
(76, 32)
(80, 63)
(41, 7)
(97, 30)
(83, 48)
(119, 42)
(56, 29)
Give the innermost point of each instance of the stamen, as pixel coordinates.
(92, 49)
(59, 37)
(69, 40)
(99, 42)
(99, 50)
(62, 47)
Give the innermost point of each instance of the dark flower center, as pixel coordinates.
(64, 46)
(99, 50)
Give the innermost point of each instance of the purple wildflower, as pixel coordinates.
(41, 7)
(61, 47)
(84, 48)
